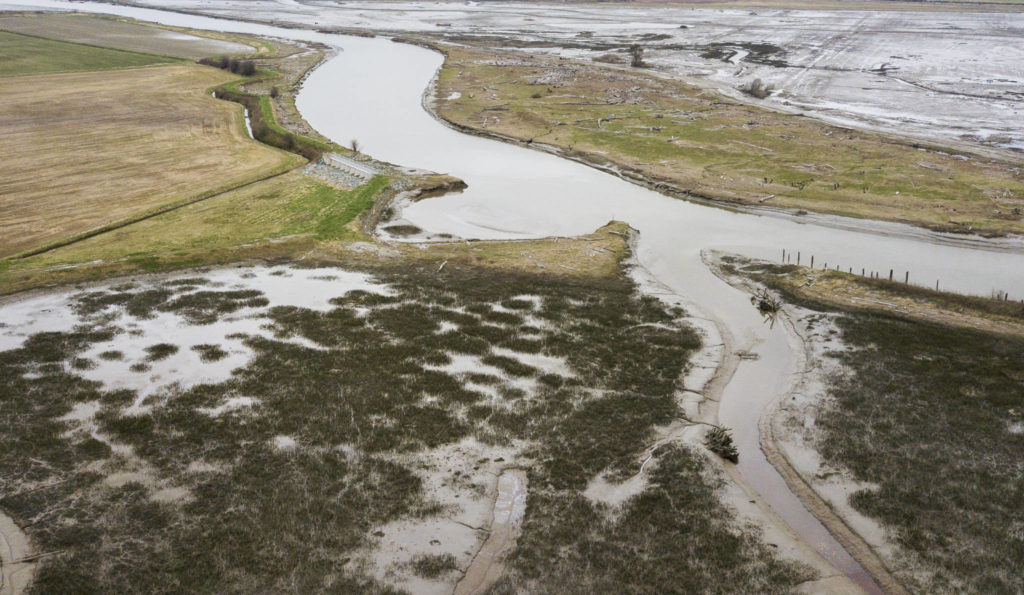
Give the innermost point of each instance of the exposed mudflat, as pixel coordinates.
(509, 508)
(956, 76)
(15, 574)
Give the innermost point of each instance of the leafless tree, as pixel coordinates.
(637, 53)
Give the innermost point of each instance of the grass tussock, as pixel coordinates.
(433, 565)
(210, 353)
(159, 351)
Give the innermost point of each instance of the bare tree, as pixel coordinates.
(637, 53)
(354, 144)
(758, 89)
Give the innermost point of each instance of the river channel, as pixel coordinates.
(372, 90)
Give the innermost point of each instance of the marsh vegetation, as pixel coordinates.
(257, 480)
(679, 138)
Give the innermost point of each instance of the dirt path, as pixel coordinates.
(509, 507)
(15, 575)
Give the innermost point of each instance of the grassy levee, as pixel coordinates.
(682, 140)
(265, 126)
(930, 416)
(826, 288)
(24, 54)
(278, 218)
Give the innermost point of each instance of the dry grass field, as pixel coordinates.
(280, 217)
(86, 150)
(25, 54)
(113, 33)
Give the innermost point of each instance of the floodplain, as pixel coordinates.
(302, 394)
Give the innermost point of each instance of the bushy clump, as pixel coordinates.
(433, 565)
(210, 353)
(758, 89)
(140, 304)
(205, 307)
(719, 441)
(159, 351)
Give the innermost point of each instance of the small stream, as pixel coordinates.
(373, 91)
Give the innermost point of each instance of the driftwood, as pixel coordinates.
(719, 441)
(766, 302)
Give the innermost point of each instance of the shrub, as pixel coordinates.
(719, 441)
(433, 565)
(637, 56)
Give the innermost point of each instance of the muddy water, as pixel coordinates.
(372, 92)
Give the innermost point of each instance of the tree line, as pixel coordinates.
(243, 67)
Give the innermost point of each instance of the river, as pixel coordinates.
(372, 91)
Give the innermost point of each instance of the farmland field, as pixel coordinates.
(282, 215)
(85, 150)
(24, 54)
(119, 35)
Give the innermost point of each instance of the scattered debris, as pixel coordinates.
(766, 302)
